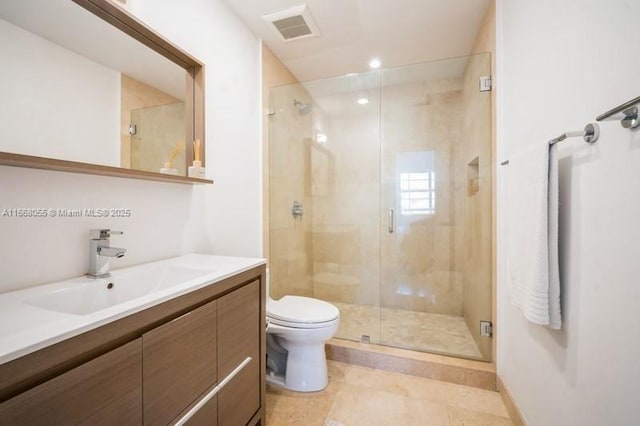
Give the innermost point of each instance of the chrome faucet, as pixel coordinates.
(100, 251)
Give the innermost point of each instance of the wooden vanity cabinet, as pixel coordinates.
(205, 362)
(104, 391)
(239, 339)
(179, 363)
(237, 396)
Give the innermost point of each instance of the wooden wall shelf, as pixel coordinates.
(33, 162)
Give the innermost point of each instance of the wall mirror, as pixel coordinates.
(87, 87)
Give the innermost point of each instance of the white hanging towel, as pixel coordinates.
(534, 274)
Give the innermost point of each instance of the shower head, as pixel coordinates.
(303, 109)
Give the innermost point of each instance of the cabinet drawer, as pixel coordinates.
(239, 338)
(205, 416)
(179, 363)
(104, 391)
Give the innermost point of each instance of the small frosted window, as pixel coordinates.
(417, 193)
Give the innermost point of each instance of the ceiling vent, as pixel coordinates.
(293, 23)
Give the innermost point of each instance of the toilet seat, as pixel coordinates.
(301, 312)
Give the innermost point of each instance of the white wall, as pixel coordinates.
(56, 103)
(561, 63)
(167, 219)
(210, 32)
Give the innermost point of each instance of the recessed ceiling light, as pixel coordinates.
(363, 101)
(374, 63)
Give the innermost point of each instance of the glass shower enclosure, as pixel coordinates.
(380, 202)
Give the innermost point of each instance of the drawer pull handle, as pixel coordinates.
(213, 392)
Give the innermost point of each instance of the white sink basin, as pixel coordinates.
(95, 295)
(39, 316)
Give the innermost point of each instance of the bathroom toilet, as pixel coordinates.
(297, 330)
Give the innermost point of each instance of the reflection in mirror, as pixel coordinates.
(73, 87)
(152, 128)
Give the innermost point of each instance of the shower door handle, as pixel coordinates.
(391, 221)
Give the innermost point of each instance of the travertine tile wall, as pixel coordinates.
(274, 74)
(289, 181)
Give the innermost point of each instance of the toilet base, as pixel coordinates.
(307, 369)
(312, 383)
(296, 358)
(275, 379)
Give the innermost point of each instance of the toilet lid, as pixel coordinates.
(302, 310)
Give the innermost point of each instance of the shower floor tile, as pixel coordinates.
(422, 331)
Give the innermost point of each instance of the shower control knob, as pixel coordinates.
(296, 210)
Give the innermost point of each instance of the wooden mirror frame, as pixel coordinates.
(123, 20)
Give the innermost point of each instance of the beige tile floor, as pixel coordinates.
(363, 396)
(422, 331)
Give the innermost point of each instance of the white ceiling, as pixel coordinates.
(399, 32)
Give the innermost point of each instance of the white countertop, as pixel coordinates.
(25, 328)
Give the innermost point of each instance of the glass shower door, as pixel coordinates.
(324, 155)
(435, 277)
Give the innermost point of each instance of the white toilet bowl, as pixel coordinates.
(297, 330)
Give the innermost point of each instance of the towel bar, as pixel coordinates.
(590, 134)
(627, 113)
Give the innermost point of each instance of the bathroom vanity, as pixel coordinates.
(189, 352)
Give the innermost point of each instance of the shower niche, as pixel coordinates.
(473, 176)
